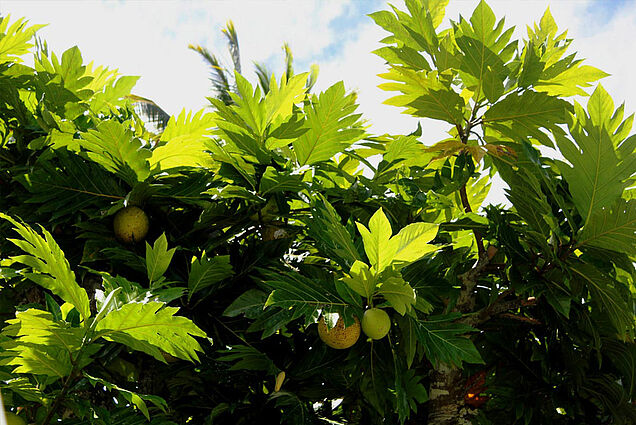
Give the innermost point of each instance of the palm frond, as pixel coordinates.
(233, 45)
(289, 61)
(264, 75)
(41, 47)
(150, 112)
(219, 78)
(313, 76)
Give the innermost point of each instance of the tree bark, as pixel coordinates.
(445, 395)
(446, 391)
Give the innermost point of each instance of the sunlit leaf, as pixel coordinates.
(49, 266)
(158, 258)
(332, 126)
(152, 327)
(15, 39)
(183, 142)
(361, 280)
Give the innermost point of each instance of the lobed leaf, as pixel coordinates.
(330, 234)
(15, 39)
(612, 228)
(158, 258)
(184, 142)
(446, 342)
(528, 115)
(113, 145)
(151, 327)
(398, 293)
(50, 269)
(331, 126)
(207, 271)
(601, 167)
(424, 95)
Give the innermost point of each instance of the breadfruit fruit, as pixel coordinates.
(339, 337)
(131, 224)
(376, 323)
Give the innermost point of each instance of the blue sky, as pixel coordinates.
(150, 39)
(348, 23)
(607, 9)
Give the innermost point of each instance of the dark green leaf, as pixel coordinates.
(599, 171)
(205, 272)
(612, 228)
(330, 234)
(528, 115)
(447, 342)
(249, 303)
(276, 182)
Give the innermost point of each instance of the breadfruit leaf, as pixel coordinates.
(158, 258)
(528, 115)
(612, 228)
(41, 345)
(424, 95)
(15, 39)
(112, 145)
(445, 341)
(207, 271)
(152, 327)
(331, 236)
(183, 142)
(608, 294)
(49, 266)
(602, 162)
(331, 126)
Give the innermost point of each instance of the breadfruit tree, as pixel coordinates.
(191, 275)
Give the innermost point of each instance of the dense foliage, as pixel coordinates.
(276, 207)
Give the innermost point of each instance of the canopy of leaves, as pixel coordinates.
(277, 207)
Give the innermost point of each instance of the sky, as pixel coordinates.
(150, 38)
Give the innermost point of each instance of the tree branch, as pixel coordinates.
(500, 307)
(61, 396)
(466, 300)
(464, 197)
(463, 136)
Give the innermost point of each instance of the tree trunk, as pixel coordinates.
(446, 392)
(443, 403)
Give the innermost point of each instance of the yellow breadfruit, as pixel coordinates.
(13, 419)
(131, 224)
(339, 336)
(376, 323)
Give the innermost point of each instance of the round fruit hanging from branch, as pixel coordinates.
(339, 337)
(131, 224)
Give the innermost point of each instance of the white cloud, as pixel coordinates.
(150, 39)
(604, 46)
